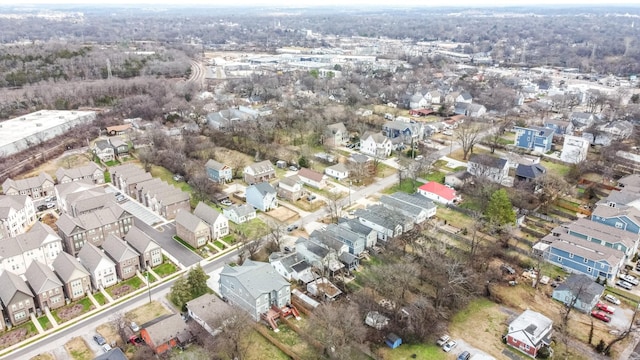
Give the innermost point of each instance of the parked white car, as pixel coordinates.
(612, 299)
(449, 346)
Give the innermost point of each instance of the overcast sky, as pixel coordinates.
(305, 3)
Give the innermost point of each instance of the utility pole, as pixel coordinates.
(349, 193)
(149, 286)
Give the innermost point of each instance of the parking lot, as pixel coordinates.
(136, 209)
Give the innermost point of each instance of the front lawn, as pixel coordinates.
(252, 229)
(412, 351)
(407, 185)
(437, 176)
(184, 243)
(44, 322)
(100, 298)
(125, 287)
(165, 269)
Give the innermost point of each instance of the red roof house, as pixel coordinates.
(529, 332)
(438, 192)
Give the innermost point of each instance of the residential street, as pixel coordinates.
(164, 237)
(88, 325)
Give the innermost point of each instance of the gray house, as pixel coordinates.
(218, 172)
(126, 258)
(149, 250)
(254, 287)
(45, 285)
(582, 288)
(262, 196)
(16, 297)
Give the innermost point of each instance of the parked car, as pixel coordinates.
(178, 177)
(612, 299)
(120, 198)
(226, 202)
(449, 345)
(106, 347)
(292, 227)
(293, 168)
(508, 269)
(311, 197)
(287, 249)
(624, 284)
(135, 326)
(42, 207)
(99, 340)
(465, 355)
(419, 157)
(443, 340)
(630, 279)
(51, 205)
(606, 308)
(600, 315)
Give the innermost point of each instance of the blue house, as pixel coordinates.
(602, 234)
(621, 217)
(533, 138)
(403, 130)
(393, 341)
(218, 172)
(262, 196)
(580, 290)
(560, 127)
(580, 256)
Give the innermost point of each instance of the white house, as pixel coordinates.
(40, 243)
(375, 144)
(17, 213)
(312, 178)
(438, 192)
(574, 149)
(239, 213)
(338, 171)
(489, 167)
(262, 196)
(101, 268)
(218, 223)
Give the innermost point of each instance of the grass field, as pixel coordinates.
(407, 351)
(147, 312)
(45, 356)
(78, 349)
(165, 269)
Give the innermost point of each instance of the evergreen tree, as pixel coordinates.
(197, 279)
(499, 210)
(180, 292)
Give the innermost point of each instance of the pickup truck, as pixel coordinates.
(630, 279)
(443, 340)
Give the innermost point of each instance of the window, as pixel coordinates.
(619, 225)
(589, 270)
(559, 259)
(570, 255)
(586, 260)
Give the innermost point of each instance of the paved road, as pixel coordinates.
(164, 238)
(88, 326)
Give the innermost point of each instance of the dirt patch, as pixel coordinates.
(147, 312)
(282, 214)
(78, 349)
(12, 337)
(64, 160)
(108, 331)
(122, 290)
(70, 312)
(45, 356)
(50, 220)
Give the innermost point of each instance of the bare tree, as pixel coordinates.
(339, 328)
(276, 235)
(333, 205)
(234, 327)
(623, 335)
(468, 135)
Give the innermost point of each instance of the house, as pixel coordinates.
(40, 243)
(113, 354)
(290, 266)
(360, 166)
(574, 149)
(601, 234)
(239, 213)
(559, 126)
(17, 214)
(385, 222)
(438, 193)
(618, 130)
(127, 260)
(621, 217)
(259, 172)
(375, 144)
(100, 267)
(36, 187)
(166, 333)
(218, 223)
(336, 135)
(104, 151)
(417, 101)
(355, 242)
(164, 199)
(463, 97)
(262, 196)
(421, 112)
(290, 188)
(457, 179)
(577, 255)
(319, 255)
(530, 173)
(120, 148)
(581, 120)
(434, 97)
(470, 110)
(312, 178)
(93, 227)
(485, 166)
(75, 278)
(338, 171)
(254, 287)
(208, 310)
(193, 230)
(218, 172)
(149, 250)
(81, 197)
(405, 132)
(91, 172)
(392, 340)
(45, 285)
(529, 332)
(415, 212)
(533, 138)
(16, 297)
(126, 177)
(631, 182)
(580, 290)
(354, 225)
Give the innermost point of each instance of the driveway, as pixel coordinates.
(164, 237)
(476, 354)
(136, 209)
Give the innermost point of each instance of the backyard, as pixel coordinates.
(78, 349)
